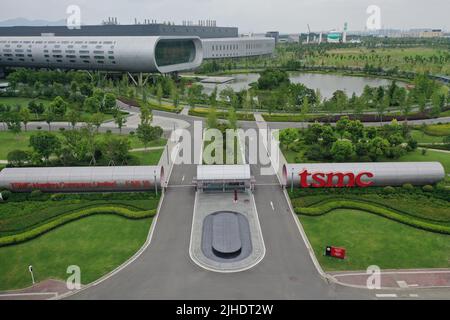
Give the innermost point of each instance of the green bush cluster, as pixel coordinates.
(328, 206)
(33, 233)
(38, 195)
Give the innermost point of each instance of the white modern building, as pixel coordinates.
(163, 54)
(237, 47)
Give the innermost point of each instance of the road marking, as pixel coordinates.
(180, 186)
(271, 204)
(182, 179)
(386, 295)
(402, 284)
(414, 295)
(29, 294)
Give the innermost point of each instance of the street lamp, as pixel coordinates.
(30, 268)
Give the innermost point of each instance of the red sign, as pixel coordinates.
(335, 252)
(335, 179)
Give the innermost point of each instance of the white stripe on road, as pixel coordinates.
(386, 295)
(271, 204)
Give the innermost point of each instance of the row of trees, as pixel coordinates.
(81, 147)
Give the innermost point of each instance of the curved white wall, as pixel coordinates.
(132, 54)
(384, 173)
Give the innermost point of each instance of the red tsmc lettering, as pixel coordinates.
(335, 179)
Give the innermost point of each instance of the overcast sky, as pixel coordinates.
(249, 15)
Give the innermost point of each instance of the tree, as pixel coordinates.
(72, 117)
(50, 116)
(159, 93)
(272, 78)
(36, 108)
(119, 119)
(378, 148)
(211, 120)
(110, 102)
(342, 125)
(406, 107)
(18, 158)
(13, 122)
(44, 144)
(25, 116)
(115, 149)
(175, 96)
(146, 133)
(342, 150)
(146, 114)
(59, 106)
(97, 120)
(288, 136)
(232, 118)
(92, 104)
(305, 108)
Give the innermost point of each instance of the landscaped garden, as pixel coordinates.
(53, 231)
(395, 228)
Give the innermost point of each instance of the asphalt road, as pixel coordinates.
(165, 270)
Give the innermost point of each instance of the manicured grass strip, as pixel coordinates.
(33, 233)
(97, 244)
(373, 240)
(329, 206)
(203, 112)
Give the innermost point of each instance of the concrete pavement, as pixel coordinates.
(165, 270)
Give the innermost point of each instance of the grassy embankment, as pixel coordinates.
(111, 230)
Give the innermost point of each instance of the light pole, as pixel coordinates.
(156, 186)
(292, 180)
(30, 268)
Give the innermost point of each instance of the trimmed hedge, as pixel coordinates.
(203, 112)
(40, 230)
(328, 206)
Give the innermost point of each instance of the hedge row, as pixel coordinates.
(38, 231)
(203, 112)
(348, 204)
(153, 106)
(38, 195)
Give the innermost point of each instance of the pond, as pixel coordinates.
(326, 83)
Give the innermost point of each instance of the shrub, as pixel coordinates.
(57, 196)
(35, 194)
(408, 186)
(389, 190)
(6, 194)
(428, 188)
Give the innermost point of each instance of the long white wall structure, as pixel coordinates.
(82, 179)
(327, 175)
(237, 47)
(162, 54)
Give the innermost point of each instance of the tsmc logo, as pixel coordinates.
(335, 179)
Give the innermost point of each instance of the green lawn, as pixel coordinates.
(23, 102)
(148, 158)
(10, 141)
(97, 244)
(431, 155)
(136, 143)
(374, 240)
(421, 137)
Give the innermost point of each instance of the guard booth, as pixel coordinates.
(224, 178)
